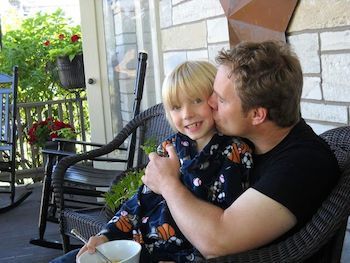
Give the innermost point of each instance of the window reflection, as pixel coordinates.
(127, 31)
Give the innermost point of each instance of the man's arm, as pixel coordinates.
(251, 221)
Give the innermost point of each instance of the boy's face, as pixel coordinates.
(193, 117)
(227, 106)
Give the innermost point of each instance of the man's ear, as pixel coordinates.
(259, 115)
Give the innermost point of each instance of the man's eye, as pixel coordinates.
(176, 107)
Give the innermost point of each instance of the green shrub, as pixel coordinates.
(25, 47)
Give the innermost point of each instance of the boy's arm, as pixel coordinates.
(251, 221)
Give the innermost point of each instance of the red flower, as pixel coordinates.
(53, 135)
(64, 44)
(57, 125)
(46, 130)
(75, 38)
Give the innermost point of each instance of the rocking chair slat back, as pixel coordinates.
(8, 131)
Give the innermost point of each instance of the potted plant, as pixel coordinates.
(66, 50)
(44, 131)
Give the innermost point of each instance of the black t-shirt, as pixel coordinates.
(298, 173)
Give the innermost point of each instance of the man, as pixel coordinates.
(257, 93)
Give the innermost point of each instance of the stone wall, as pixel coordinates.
(197, 29)
(319, 33)
(194, 29)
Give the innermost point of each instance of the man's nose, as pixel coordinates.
(212, 101)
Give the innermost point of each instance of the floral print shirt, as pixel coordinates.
(217, 174)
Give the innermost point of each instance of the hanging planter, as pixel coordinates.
(66, 51)
(71, 73)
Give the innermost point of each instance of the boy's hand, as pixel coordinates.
(91, 245)
(162, 172)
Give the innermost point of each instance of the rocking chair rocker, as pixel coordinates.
(8, 138)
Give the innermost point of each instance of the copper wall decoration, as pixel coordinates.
(257, 20)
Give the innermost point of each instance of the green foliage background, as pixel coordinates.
(24, 47)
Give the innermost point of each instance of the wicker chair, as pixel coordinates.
(149, 124)
(321, 240)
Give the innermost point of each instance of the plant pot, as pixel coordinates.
(71, 73)
(68, 147)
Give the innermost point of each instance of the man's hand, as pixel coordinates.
(162, 172)
(91, 245)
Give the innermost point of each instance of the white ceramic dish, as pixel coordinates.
(126, 251)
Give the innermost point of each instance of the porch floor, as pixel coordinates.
(19, 225)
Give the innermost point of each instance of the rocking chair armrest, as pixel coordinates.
(57, 152)
(106, 159)
(65, 153)
(95, 144)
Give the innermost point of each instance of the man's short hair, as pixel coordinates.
(268, 75)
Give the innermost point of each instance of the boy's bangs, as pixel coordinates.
(192, 93)
(189, 82)
(173, 95)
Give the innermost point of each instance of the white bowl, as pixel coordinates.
(126, 251)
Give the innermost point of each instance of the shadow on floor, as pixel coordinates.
(19, 225)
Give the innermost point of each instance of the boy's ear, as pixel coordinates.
(259, 115)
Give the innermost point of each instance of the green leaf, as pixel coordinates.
(149, 146)
(130, 183)
(71, 57)
(124, 189)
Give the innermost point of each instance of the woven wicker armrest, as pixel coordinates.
(88, 221)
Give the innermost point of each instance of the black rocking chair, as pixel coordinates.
(91, 178)
(8, 138)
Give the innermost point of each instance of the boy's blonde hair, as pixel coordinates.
(194, 79)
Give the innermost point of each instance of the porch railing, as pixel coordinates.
(70, 110)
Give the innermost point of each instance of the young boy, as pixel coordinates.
(214, 167)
